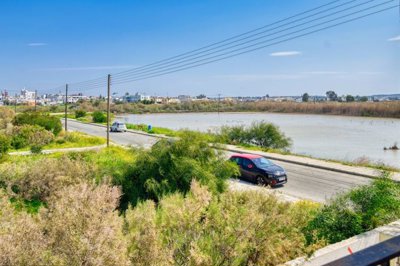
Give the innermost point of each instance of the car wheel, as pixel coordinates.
(260, 180)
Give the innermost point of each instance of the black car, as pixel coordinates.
(259, 170)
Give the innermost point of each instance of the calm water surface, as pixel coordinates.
(329, 137)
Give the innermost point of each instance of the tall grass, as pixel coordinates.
(368, 109)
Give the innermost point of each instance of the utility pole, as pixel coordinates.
(108, 108)
(15, 104)
(66, 107)
(35, 99)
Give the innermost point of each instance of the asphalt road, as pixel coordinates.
(127, 139)
(303, 182)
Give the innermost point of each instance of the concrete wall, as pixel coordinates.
(354, 244)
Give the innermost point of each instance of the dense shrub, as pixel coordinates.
(29, 135)
(22, 241)
(6, 116)
(39, 139)
(5, 144)
(78, 227)
(172, 165)
(38, 179)
(19, 141)
(80, 113)
(50, 123)
(99, 117)
(84, 228)
(261, 134)
(355, 212)
(234, 228)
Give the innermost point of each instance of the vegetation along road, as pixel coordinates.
(304, 182)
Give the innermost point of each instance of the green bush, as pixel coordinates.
(358, 211)
(99, 117)
(171, 166)
(261, 134)
(19, 141)
(267, 135)
(28, 135)
(5, 144)
(36, 149)
(50, 123)
(80, 113)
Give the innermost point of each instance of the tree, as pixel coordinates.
(305, 97)
(201, 96)
(331, 95)
(349, 98)
(363, 99)
(171, 165)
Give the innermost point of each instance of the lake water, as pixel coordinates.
(322, 136)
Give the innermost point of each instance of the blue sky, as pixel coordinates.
(44, 44)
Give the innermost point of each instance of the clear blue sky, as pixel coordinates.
(47, 43)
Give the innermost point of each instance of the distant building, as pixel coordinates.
(27, 95)
(136, 98)
(184, 98)
(159, 100)
(173, 100)
(75, 98)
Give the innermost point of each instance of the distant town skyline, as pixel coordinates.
(45, 44)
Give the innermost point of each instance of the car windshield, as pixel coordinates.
(262, 162)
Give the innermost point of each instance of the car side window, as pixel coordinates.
(247, 163)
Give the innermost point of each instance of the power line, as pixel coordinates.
(237, 51)
(233, 37)
(225, 40)
(214, 47)
(179, 62)
(185, 61)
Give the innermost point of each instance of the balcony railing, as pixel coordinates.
(386, 253)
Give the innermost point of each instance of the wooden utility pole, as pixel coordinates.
(35, 99)
(15, 102)
(108, 108)
(66, 108)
